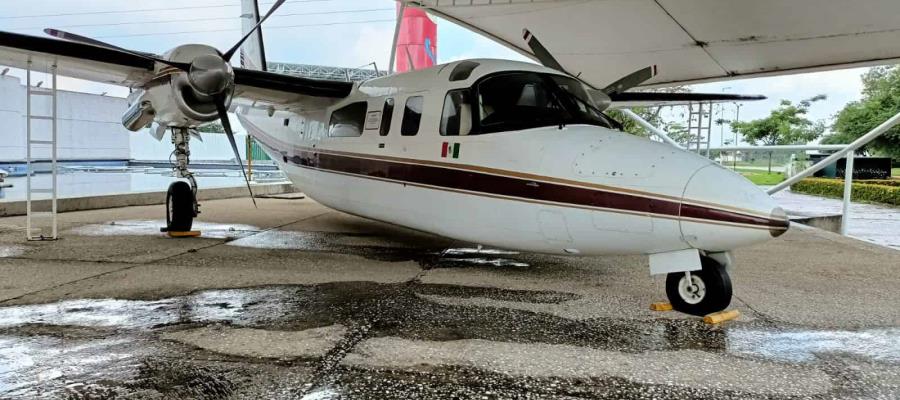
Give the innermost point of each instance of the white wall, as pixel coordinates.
(214, 147)
(89, 126)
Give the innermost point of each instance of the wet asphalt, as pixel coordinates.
(295, 301)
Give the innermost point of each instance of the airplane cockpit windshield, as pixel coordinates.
(523, 100)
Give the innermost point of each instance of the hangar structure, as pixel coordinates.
(691, 41)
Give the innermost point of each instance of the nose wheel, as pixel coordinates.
(181, 198)
(700, 292)
(179, 207)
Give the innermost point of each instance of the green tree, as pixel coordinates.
(787, 124)
(650, 113)
(880, 101)
(678, 132)
(211, 127)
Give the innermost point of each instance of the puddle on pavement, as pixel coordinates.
(803, 345)
(151, 228)
(244, 306)
(41, 347)
(7, 251)
(391, 249)
(27, 363)
(380, 249)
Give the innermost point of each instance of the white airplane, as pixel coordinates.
(499, 153)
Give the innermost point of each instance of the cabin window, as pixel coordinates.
(412, 116)
(456, 118)
(386, 116)
(348, 121)
(287, 121)
(524, 100)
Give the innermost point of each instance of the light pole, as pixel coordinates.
(737, 118)
(722, 121)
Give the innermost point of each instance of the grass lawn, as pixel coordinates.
(761, 177)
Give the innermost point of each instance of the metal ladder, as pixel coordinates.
(32, 92)
(699, 126)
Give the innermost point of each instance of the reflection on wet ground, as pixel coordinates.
(11, 251)
(794, 345)
(152, 227)
(197, 346)
(376, 248)
(369, 246)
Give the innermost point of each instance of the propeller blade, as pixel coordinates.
(223, 118)
(543, 55)
(72, 37)
(227, 56)
(631, 80)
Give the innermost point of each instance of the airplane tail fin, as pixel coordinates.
(253, 52)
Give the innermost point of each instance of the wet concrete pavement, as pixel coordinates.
(297, 301)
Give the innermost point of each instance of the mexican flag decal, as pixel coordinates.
(450, 150)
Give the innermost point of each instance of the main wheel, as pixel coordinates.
(179, 207)
(708, 291)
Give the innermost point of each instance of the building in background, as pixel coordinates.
(89, 127)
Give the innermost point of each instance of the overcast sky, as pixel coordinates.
(344, 33)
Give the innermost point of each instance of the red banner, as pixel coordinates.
(418, 36)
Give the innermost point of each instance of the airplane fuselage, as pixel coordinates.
(559, 188)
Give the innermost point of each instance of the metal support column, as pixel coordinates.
(400, 10)
(32, 232)
(648, 126)
(848, 191)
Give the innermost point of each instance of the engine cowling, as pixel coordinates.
(182, 98)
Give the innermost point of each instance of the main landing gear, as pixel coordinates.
(700, 292)
(181, 199)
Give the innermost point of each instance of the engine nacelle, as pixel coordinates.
(170, 99)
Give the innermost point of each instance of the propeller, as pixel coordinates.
(226, 124)
(210, 75)
(631, 80)
(74, 37)
(546, 59)
(543, 55)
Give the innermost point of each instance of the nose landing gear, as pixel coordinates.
(181, 198)
(700, 292)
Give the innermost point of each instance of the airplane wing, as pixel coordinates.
(645, 99)
(108, 65)
(76, 60)
(690, 40)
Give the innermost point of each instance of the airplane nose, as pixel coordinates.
(722, 210)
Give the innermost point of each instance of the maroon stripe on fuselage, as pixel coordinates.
(508, 186)
(519, 188)
(715, 214)
(484, 183)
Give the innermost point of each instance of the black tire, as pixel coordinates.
(179, 207)
(716, 287)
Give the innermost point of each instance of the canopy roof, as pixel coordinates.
(690, 40)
